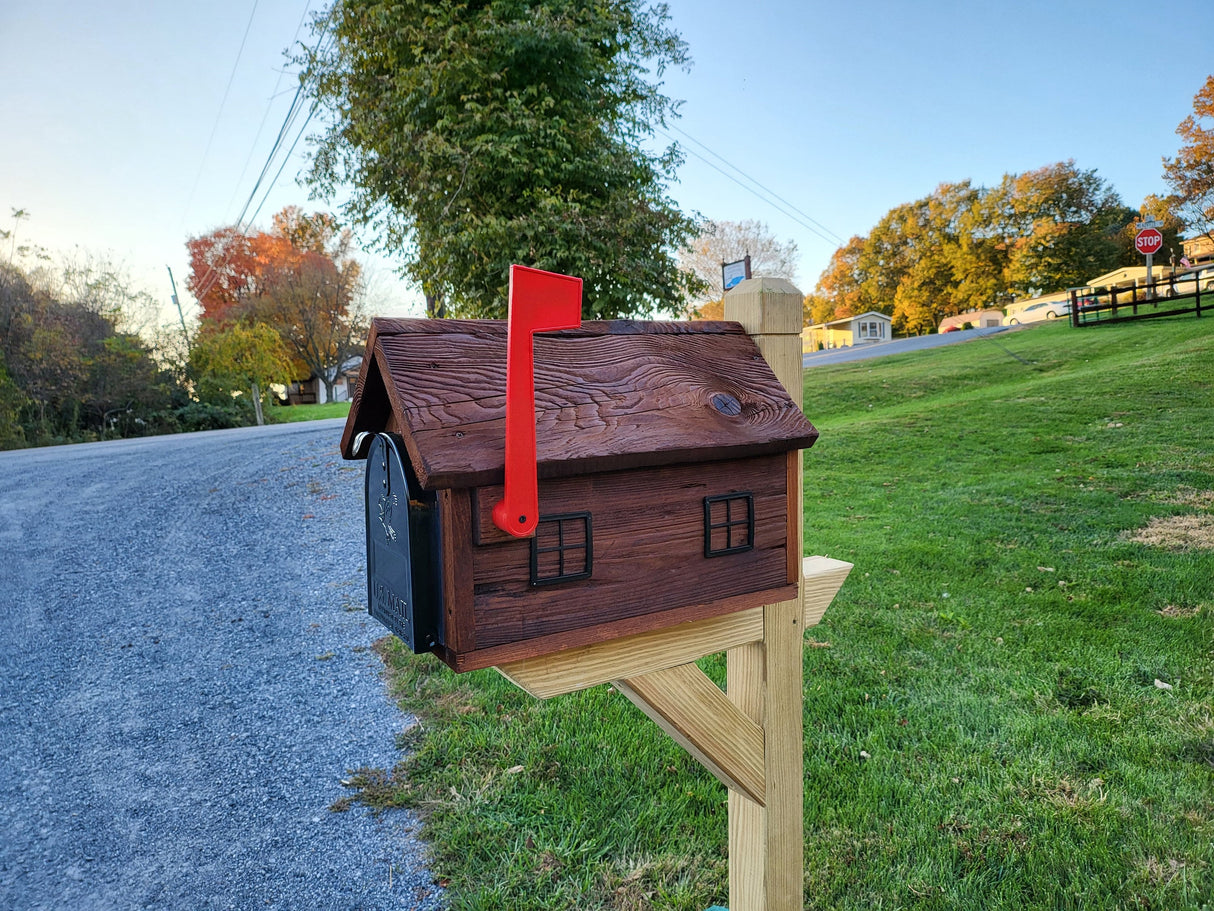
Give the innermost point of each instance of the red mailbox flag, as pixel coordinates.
(539, 302)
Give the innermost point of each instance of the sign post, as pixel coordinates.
(1148, 241)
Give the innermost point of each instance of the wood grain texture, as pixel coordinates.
(501, 655)
(689, 707)
(578, 668)
(455, 543)
(766, 306)
(823, 577)
(648, 530)
(611, 395)
(784, 813)
(766, 843)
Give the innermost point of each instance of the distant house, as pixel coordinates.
(1199, 250)
(312, 390)
(866, 329)
(977, 319)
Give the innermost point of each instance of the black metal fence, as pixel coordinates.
(1175, 295)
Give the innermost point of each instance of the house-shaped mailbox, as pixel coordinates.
(666, 454)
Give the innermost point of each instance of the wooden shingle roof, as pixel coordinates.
(609, 395)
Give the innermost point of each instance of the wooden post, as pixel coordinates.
(766, 842)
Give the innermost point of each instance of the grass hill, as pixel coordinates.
(1010, 705)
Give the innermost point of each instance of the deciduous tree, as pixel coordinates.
(1191, 173)
(966, 247)
(477, 135)
(1062, 225)
(840, 289)
(727, 241)
(299, 278)
(230, 360)
(78, 373)
(12, 400)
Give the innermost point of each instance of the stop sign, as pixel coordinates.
(1148, 241)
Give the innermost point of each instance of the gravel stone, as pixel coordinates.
(187, 677)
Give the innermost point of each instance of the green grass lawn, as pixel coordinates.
(1010, 704)
(288, 414)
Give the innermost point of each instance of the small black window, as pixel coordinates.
(562, 549)
(729, 524)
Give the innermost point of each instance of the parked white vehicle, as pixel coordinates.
(1186, 282)
(1044, 310)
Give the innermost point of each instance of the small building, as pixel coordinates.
(312, 390)
(865, 329)
(1129, 277)
(1198, 250)
(976, 319)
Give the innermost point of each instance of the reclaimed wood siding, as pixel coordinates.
(648, 529)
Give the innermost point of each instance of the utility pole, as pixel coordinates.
(176, 302)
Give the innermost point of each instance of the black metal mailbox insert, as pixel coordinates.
(404, 578)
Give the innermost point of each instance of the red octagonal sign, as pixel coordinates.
(1148, 241)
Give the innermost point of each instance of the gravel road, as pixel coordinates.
(897, 346)
(185, 678)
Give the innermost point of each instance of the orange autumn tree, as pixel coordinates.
(299, 278)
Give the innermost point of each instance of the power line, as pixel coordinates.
(837, 239)
(269, 106)
(297, 103)
(222, 102)
(799, 220)
(291, 151)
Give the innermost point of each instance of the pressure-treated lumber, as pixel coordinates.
(766, 843)
(632, 656)
(689, 707)
(822, 578)
(575, 669)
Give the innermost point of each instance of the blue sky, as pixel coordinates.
(117, 138)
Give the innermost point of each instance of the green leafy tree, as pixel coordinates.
(12, 400)
(477, 135)
(967, 248)
(227, 361)
(124, 386)
(840, 289)
(1062, 225)
(1191, 173)
(300, 278)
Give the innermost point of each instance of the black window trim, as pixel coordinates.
(561, 547)
(729, 524)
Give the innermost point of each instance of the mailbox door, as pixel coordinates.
(403, 572)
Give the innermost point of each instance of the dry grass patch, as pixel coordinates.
(1191, 497)
(1161, 872)
(1177, 533)
(1179, 613)
(635, 884)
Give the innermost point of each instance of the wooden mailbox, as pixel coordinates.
(666, 456)
(660, 523)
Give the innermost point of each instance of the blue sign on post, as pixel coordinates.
(732, 273)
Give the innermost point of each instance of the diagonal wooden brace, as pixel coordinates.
(688, 706)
